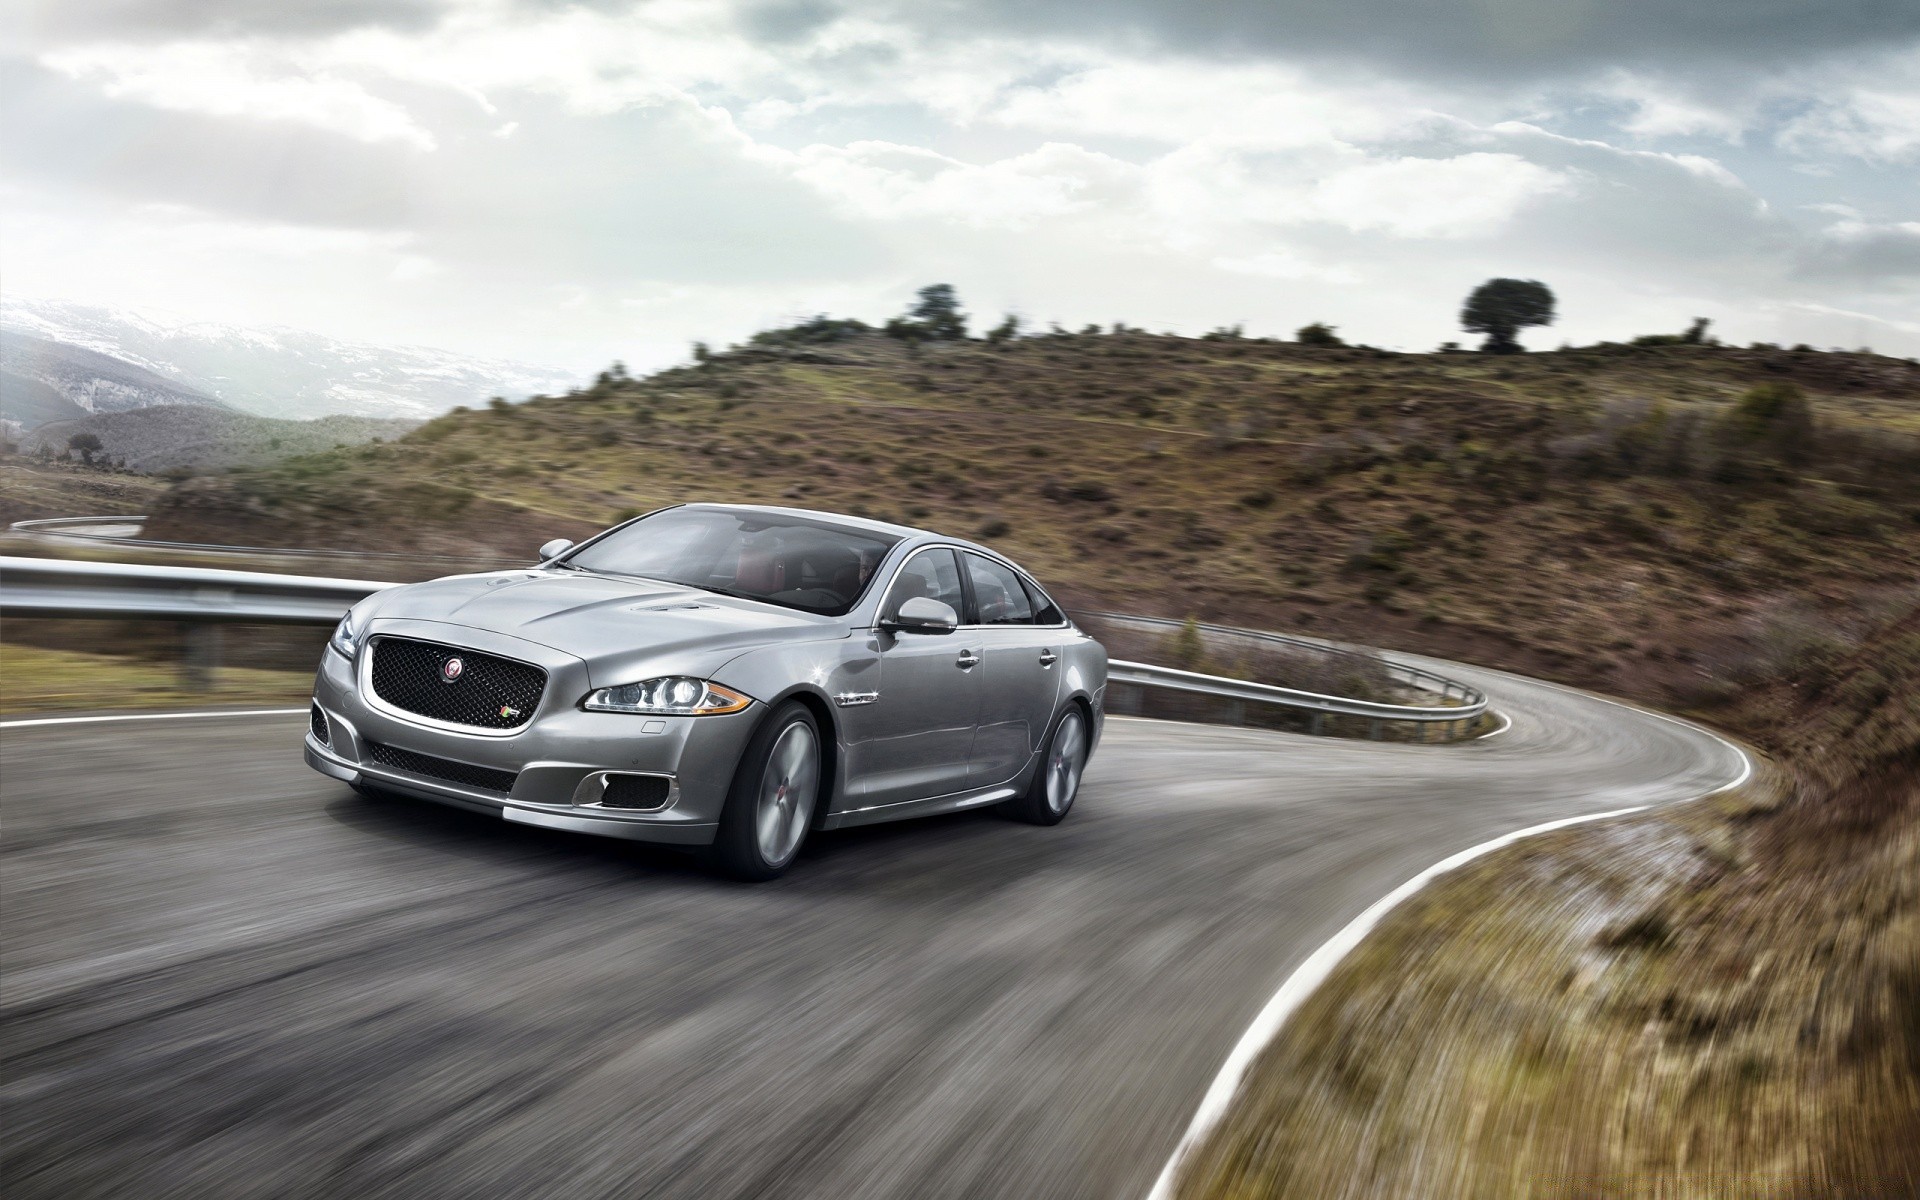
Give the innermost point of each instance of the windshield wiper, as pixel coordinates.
(720, 591)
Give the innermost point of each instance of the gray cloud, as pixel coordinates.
(66, 133)
(1507, 37)
(62, 20)
(1869, 254)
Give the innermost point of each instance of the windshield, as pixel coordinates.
(812, 565)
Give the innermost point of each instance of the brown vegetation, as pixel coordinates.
(1719, 1000)
(1643, 520)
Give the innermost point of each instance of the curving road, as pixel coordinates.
(227, 976)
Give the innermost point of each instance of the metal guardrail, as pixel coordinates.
(1418, 677)
(73, 531)
(54, 587)
(201, 596)
(1149, 676)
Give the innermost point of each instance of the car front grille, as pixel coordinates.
(489, 692)
(321, 732)
(486, 779)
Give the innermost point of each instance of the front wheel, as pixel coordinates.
(770, 805)
(1057, 782)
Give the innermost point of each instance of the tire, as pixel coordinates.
(1056, 782)
(775, 791)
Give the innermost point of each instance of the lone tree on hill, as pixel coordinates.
(86, 445)
(934, 317)
(1318, 334)
(1501, 308)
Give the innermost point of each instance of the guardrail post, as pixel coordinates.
(1237, 712)
(1319, 726)
(1373, 730)
(201, 659)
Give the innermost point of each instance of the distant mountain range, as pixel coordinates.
(62, 361)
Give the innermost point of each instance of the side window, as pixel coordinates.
(1045, 611)
(928, 573)
(998, 596)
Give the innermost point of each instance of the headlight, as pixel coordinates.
(674, 696)
(345, 637)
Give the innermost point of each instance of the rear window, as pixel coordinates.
(1045, 611)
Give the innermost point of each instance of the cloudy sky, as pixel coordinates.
(571, 182)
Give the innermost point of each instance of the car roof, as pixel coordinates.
(903, 532)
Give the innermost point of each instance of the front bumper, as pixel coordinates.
(558, 751)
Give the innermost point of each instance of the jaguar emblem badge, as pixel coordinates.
(451, 670)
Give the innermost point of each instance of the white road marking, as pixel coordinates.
(166, 716)
(1312, 972)
(1495, 732)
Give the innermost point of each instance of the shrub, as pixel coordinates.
(1318, 334)
(1186, 650)
(86, 445)
(817, 330)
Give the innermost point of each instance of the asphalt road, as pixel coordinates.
(223, 975)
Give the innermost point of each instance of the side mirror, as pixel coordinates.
(922, 614)
(554, 549)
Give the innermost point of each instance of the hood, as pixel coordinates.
(599, 617)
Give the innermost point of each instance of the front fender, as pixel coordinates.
(825, 672)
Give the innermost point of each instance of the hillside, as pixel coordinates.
(32, 490)
(198, 438)
(276, 371)
(1612, 516)
(37, 371)
(25, 403)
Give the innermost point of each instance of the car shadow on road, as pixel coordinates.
(950, 846)
(481, 838)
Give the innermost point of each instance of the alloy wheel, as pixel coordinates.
(788, 788)
(1066, 758)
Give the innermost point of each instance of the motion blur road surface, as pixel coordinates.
(227, 976)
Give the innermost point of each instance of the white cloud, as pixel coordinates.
(1879, 125)
(240, 81)
(1469, 196)
(1658, 108)
(666, 172)
(1286, 264)
(887, 181)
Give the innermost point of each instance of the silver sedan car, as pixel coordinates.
(717, 675)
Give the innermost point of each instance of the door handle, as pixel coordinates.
(1048, 658)
(968, 659)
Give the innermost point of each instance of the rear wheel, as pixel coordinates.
(771, 803)
(1050, 796)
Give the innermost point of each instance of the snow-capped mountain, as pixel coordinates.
(274, 371)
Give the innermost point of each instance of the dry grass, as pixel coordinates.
(1720, 1000)
(38, 680)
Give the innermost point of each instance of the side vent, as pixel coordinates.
(642, 792)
